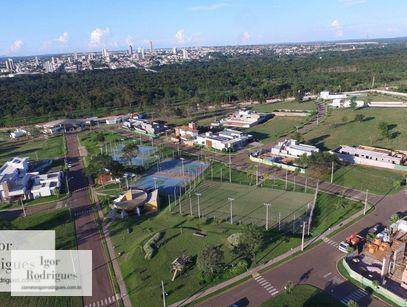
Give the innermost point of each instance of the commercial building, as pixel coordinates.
(145, 127)
(292, 148)
(18, 133)
(345, 103)
(225, 140)
(244, 119)
(326, 95)
(187, 133)
(138, 200)
(371, 156)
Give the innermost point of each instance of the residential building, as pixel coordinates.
(292, 148)
(45, 184)
(189, 132)
(225, 140)
(326, 95)
(18, 133)
(14, 179)
(371, 156)
(143, 126)
(244, 119)
(345, 103)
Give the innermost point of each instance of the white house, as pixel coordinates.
(18, 133)
(345, 103)
(225, 140)
(45, 184)
(291, 148)
(326, 95)
(371, 156)
(189, 132)
(244, 119)
(14, 179)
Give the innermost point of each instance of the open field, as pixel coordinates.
(303, 295)
(381, 97)
(275, 128)
(376, 180)
(340, 128)
(60, 221)
(289, 105)
(89, 140)
(42, 148)
(248, 204)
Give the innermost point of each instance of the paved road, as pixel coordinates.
(316, 267)
(87, 233)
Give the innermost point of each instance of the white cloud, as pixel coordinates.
(16, 45)
(63, 38)
(337, 27)
(245, 37)
(180, 36)
(350, 3)
(209, 7)
(98, 37)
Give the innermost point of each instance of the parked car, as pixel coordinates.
(344, 247)
(376, 229)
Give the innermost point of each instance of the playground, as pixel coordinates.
(248, 204)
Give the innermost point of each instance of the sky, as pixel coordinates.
(29, 27)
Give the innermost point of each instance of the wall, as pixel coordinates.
(280, 165)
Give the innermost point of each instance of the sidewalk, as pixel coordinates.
(265, 266)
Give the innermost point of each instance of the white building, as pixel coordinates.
(187, 132)
(244, 119)
(371, 156)
(18, 133)
(345, 103)
(45, 184)
(325, 95)
(225, 140)
(291, 148)
(14, 179)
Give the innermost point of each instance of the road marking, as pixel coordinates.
(330, 242)
(266, 285)
(356, 296)
(327, 274)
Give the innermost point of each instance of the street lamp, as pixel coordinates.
(267, 215)
(182, 166)
(199, 208)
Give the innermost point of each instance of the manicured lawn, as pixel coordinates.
(290, 105)
(382, 97)
(60, 221)
(275, 128)
(376, 180)
(303, 295)
(42, 148)
(248, 204)
(340, 128)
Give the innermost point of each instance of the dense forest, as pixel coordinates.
(209, 82)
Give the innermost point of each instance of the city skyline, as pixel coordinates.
(94, 25)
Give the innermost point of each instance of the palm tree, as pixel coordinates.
(394, 218)
(289, 287)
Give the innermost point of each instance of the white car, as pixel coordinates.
(344, 247)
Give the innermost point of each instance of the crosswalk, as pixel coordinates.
(83, 212)
(356, 296)
(108, 301)
(330, 242)
(266, 285)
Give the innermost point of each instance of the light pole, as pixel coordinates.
(332, 172)
(182, 166)
(365, 206)
(303, 235)
(230, 171)
(163, 293)
(267, 215)
(199, 208)
(231, 209)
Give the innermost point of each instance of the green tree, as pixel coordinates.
(252, 241)
(130, 150)
(352, 303)
(353, 104)
(384, 130)
(211, 261)
(359, 117)
(100, 137)
(394, 218)
(376, 284)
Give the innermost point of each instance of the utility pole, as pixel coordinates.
(199, 208)
(294, 184)
(190, 205)
(306, 183)
(303, 235)
(169, 202)
(365, 207)
(163, 293)
(267, 215)
(182, 166)
(279, 221)
(22, 206)
(230, 171)
(231, 209)
(294, 223)
(221, 168)
(332, 172)
(257, 175)
(312, 208)
(286, 179)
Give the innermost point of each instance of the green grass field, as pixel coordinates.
(340, 128)
(58, 220)
(303, 296)
(248, 204)
(275, 128)
(289, 105)
(89, 140)
(43, 148)
(376, 180)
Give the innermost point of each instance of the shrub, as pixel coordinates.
(150, 247)
(234, 239)
(239, 268)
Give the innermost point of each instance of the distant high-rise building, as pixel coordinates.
(69, 60)
(37, 62)
(142, 53)
(151, 47)
(49, 66)
(174, 50)
(75, 56)
(184, 54)
(105, 55)
(53, 61)
(10, 65)
(130, 51)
